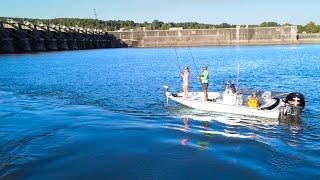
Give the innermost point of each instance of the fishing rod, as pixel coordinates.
(195, 65)
(193, 60)
(177, 57)
(175, 50)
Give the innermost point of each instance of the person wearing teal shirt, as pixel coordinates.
(205, 81)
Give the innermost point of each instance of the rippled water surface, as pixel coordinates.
(102, 114)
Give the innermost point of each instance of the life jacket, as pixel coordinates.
(253, 102)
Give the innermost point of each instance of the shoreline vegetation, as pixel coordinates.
(114, 25)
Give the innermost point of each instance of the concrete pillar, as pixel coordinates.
(24, 45)
(294, 33)
(237, 34)
(38, 44)
(51, 44)
(6, 45)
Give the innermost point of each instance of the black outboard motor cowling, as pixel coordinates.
(296, 99)
(295, 103)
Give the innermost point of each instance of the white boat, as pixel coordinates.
(232, 102)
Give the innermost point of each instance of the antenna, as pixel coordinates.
(238, 71)
(95, 14)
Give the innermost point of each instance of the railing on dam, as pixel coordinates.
(204, 37)
(19, 37)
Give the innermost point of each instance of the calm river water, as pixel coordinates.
(101, 114)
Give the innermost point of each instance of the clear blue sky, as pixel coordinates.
(206, 11)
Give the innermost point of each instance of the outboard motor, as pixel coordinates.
(295, 103)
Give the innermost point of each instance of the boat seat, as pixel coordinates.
(273, 103)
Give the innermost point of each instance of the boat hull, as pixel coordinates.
(198, 103)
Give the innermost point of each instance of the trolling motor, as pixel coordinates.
(165, 88)
(294, 104)
(166, 92)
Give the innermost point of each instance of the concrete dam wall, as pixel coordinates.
(308, 38)
(209, 37)
(26, 37)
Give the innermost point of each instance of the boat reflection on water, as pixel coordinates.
(202, 144)
(294, 123)
(185, 139)
(233, 120)
(199, 128)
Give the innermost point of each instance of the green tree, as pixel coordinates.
(301, 28)
(113, 25)
(269, 24)
(156, 24)
(311, 27)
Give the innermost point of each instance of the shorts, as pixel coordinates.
(204, 86)
(185, 85)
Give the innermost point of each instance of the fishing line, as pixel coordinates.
(193, 60)
(177, 58)
(175, 50)
(238, 72)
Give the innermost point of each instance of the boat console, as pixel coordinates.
(231, 97)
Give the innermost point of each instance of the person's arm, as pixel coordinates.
(201, 76)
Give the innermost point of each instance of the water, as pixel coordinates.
(101, 114)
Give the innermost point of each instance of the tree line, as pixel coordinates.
(113, 25)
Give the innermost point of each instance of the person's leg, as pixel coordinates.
(187, 90)
(207, 91)
(204, 91)
(206, 95)
(184, 92)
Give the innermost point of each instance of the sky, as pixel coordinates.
(204, 11)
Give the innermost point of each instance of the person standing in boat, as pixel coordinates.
(185, 77)
(204, 81)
